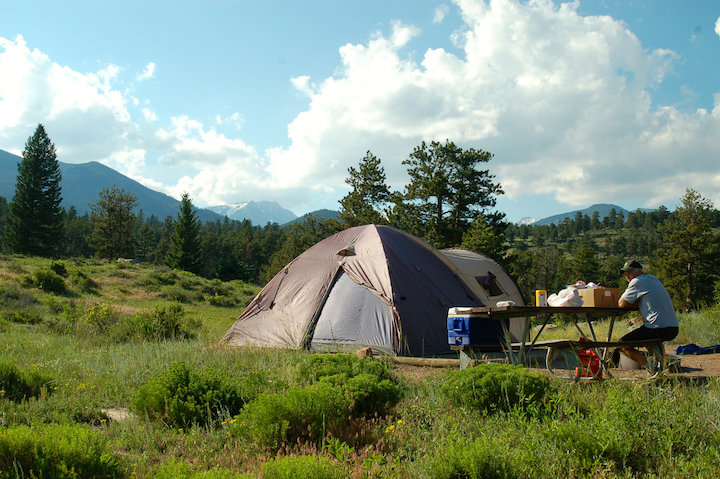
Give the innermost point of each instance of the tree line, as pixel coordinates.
(449, 201)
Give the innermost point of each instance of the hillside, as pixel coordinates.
(82, 183)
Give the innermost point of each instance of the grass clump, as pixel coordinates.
(292, 467)
(49, 281)
(18, 385)
(160, 324)
(495, 387)
(185, 396)
(57, 451)
(181, 470)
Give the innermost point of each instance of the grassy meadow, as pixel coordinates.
(114, 370)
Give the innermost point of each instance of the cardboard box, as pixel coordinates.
(600, 297)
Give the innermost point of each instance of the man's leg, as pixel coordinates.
(635, 355)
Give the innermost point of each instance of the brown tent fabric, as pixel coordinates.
(368, 286)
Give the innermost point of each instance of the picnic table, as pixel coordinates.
(563, 356)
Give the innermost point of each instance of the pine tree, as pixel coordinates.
(449, 190)
(112, 221)
(35, 223)
(689, 258)
(185, 244)
(369, 192)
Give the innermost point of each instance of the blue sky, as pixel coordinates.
(230, 101)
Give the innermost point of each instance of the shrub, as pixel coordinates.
(23, 316)
(159, 324)
(57, 451)
(292, 467)
(49, 281)
(83, 282)
(17, 385)
(298, 414)
(181, 470)
(493, 387)
(184, 396)
(486, 457)
(220, 300)
(12, 296)
(59, 269)
(371, 395)
(180, 294)
(323, 365)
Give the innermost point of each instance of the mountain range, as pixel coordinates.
(82, 183)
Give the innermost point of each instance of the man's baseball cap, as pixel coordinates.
(630, 265)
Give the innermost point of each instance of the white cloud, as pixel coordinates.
(440, 13)
(149, 114)
(147, 73)
(717, 26)
(234, 119)
(563, 101)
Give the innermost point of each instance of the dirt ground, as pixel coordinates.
(701, 366)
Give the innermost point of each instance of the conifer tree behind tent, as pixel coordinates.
(368, 286)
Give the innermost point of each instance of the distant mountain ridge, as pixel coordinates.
(602, 209)
(258, 212)
(82, 183)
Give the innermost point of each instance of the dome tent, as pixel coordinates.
(368, 286)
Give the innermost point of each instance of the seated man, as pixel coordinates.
(647, 293)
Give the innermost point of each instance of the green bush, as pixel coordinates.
(220, 300)
(83, 282)
(184, 396)
(23, 316)
(159, 324)
(300, 414)
(293, 467)
(17, 385)
(486, 457)
(13, 297)
(323, 365)
(181, 470)
(59, 269)
(49, 281)
(371, 395)
(494, 387)
(58, 452)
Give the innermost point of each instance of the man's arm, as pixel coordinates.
(624, 304)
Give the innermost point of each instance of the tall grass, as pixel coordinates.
(659, 428)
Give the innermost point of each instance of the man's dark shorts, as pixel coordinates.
(643, 333)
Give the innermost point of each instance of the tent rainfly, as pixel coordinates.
(378, 287)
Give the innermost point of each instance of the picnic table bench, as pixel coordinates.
(565, 358)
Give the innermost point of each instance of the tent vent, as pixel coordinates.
(489, 283)
(349, 250)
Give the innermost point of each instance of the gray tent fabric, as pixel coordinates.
(490, 281)
(368, 286)
(354, 318)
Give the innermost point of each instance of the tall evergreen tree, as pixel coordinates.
(449, 190)
(113, 220)
(185, 243)
(35, 223)
(369, 192)
(689, 258)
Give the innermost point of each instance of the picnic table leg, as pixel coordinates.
(508, 340)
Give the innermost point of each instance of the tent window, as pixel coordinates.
(490, 284)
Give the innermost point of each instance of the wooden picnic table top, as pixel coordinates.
(501, 312)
